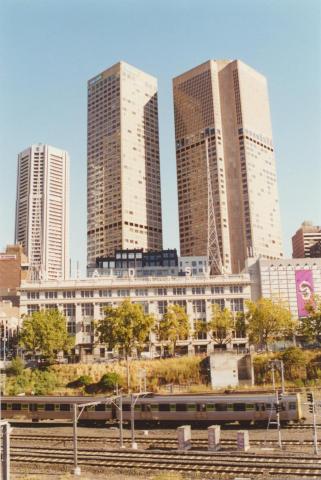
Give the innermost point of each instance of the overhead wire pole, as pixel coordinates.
(77, 412)
(213, 247)
(133, 401)
(76, 470)
(312, 409)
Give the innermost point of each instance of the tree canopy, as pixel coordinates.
(126, 327)
(174, 326)
(310, 326)
(221, 325)
(268, 321)
(45, 333)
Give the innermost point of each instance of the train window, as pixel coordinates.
(268, 406)
(138, 408)
(154, 407)
(292, 406)
(33, 407)
(3, 406)
(230, 406)
(181, 407)
(191, 407)
(220, 407)
(57, 407)
(64, 407)
(164, 407)
(40, 406)
(126, 407)
(249, 406)
(210, 407)
(239, 407)
(24, 406)
(16, 406)
(49, 407)
(90, 408)
(201, 407)
(257, 407)
(100, 407)
(9, 406)
(172, 407)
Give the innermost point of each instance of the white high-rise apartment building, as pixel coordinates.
(225, 162)
(42, 210)
(123, 176)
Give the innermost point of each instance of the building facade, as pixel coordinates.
(42, 210)
(83, 301)
(227, 188)
(14, 268)
(123, 168)
(305, 237)
(137, 263)
(293, 281)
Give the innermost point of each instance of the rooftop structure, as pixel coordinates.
(305, 238)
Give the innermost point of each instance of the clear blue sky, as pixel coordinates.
(50, 48)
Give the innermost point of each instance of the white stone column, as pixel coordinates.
(214, 437)
(243, 441)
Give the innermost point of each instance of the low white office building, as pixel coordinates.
(294, 281)
(83, 300)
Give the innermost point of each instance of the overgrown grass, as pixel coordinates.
(302, 368)
(184, 370)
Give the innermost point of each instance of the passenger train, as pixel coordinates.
(152, 408)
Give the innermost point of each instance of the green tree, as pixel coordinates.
(16, 367)
(45, 333)
(125, 327)
(310, 326)
(221, 325)
(294, 361)
(174, 326)
(268, 321)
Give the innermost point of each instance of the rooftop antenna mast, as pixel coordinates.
(213, 247)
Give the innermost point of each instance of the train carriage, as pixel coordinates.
(214, 408)
(202, 408)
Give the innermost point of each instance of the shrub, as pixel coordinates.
(17, 366)
(313, 367)
(82, 381)
(45, 382)
(109, 381)
(36, 381)
(294, 360)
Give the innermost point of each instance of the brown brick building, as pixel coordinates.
(13, 270)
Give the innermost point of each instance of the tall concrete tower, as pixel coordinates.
(123, 170)
(226, 165)
(42, 210)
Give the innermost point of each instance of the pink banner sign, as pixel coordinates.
(304, 289)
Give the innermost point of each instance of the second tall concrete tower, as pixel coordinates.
(225, 162)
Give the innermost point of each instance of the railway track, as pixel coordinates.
(285, 467)
(156, 442)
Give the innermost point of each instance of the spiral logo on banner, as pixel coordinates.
(304, 290)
